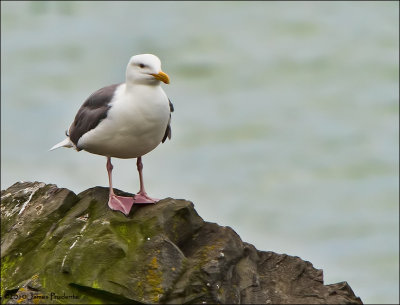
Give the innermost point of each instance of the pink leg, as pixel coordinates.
(118, 203)
(142, 197)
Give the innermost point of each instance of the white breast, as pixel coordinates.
(134, 126)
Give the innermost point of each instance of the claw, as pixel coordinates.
(143, 198)
(119, 203)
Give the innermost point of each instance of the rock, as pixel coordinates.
(58, 247)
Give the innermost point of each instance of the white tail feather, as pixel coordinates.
(65, 143)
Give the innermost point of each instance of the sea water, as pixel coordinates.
(285, 125)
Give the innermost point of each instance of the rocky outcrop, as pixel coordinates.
(58, 247)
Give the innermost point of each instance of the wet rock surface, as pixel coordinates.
(59, 247)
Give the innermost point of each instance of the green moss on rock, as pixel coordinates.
(72, 249)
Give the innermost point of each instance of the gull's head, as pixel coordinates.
(145, 69)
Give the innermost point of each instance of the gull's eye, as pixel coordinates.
(142, 65)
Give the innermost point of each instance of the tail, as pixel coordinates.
(65, 143)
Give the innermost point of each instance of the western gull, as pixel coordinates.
(125, 120)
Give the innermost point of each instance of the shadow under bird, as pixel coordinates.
(125, 120)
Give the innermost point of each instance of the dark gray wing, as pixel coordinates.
(168, 131)
(91, 113)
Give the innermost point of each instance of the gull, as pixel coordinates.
(125, 120)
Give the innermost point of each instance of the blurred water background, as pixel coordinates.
(285, 125)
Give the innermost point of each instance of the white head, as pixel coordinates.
(145, 69)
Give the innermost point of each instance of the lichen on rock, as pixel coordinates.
(59, 247)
